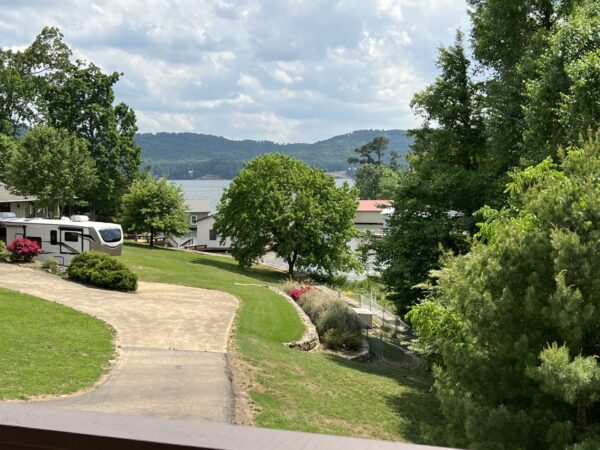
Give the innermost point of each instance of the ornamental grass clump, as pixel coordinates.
(23, 249)
(99, 269)
(339, 328)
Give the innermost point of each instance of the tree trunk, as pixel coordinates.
(151, 237)
(291, 262)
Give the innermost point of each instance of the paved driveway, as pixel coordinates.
(172, 342)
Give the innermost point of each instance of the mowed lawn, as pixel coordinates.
(297, 390)
(49, 349)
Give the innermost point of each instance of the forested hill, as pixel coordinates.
(190, 155)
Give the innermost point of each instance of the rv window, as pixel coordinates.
(212, 235)
(35, 239)
(71, 236)
(110, 234)
(53, 237)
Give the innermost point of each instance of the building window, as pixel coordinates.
(193, 220)
(71, 236)
(53, 237)
(212, 235)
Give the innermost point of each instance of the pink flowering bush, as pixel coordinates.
(22, 249)
(296, 293)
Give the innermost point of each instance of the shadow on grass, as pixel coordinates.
(423, 422)
(259, 273)
(223, 263)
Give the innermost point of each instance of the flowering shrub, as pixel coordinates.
(22, 249)
(296, 293)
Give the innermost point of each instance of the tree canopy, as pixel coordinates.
(53, 165)
(280, 203)
(530, 87)
(41, 85)
(154, 205)
(512, 325)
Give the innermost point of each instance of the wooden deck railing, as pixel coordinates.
(33, 427)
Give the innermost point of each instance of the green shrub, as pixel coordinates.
(50, 265)
(343, 340)
(3, 251)
(99, 269)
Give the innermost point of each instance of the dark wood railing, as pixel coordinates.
(33, 427)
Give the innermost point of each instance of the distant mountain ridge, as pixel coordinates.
(192, 155)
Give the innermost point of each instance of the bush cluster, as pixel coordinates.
(99, 269)
(23, 249)
(339, 328)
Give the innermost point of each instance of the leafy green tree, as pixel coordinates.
(374, 179)
(281, 203)
(371, 152)
(376, 182)
(82, 102)
(562, 96)
(53, 165)
(513, 324)
(41, 85)
(445, 183)
(24, 75)
(8, 146)
(154, 205)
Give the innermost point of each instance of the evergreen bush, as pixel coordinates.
(99, 269)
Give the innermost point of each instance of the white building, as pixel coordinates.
(206, 238)
(197, 209)
(20, 205)
(370, 215)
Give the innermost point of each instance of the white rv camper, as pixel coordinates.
(66, 238)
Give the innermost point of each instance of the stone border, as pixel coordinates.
(310, 339)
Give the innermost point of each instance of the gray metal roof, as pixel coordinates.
(7, 197)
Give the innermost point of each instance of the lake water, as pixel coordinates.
(212, 190)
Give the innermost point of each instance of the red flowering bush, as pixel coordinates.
(296, 293)
(22, 249)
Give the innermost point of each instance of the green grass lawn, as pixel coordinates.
(297, 390)
(47, 348)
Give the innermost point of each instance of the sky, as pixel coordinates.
(279, 70)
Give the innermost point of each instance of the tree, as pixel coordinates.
(562, 95)
(53, 165)
(41, 85)
(154, 205)
(281, 203)
(371, 152)
(513, 324)
(374, 179)
(445, 183)
(24, 75)
(82, 102)
(8, 146)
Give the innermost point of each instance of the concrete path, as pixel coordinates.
(172, 342)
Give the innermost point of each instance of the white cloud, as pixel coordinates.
(264, 69)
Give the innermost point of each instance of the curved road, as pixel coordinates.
(172, 343)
